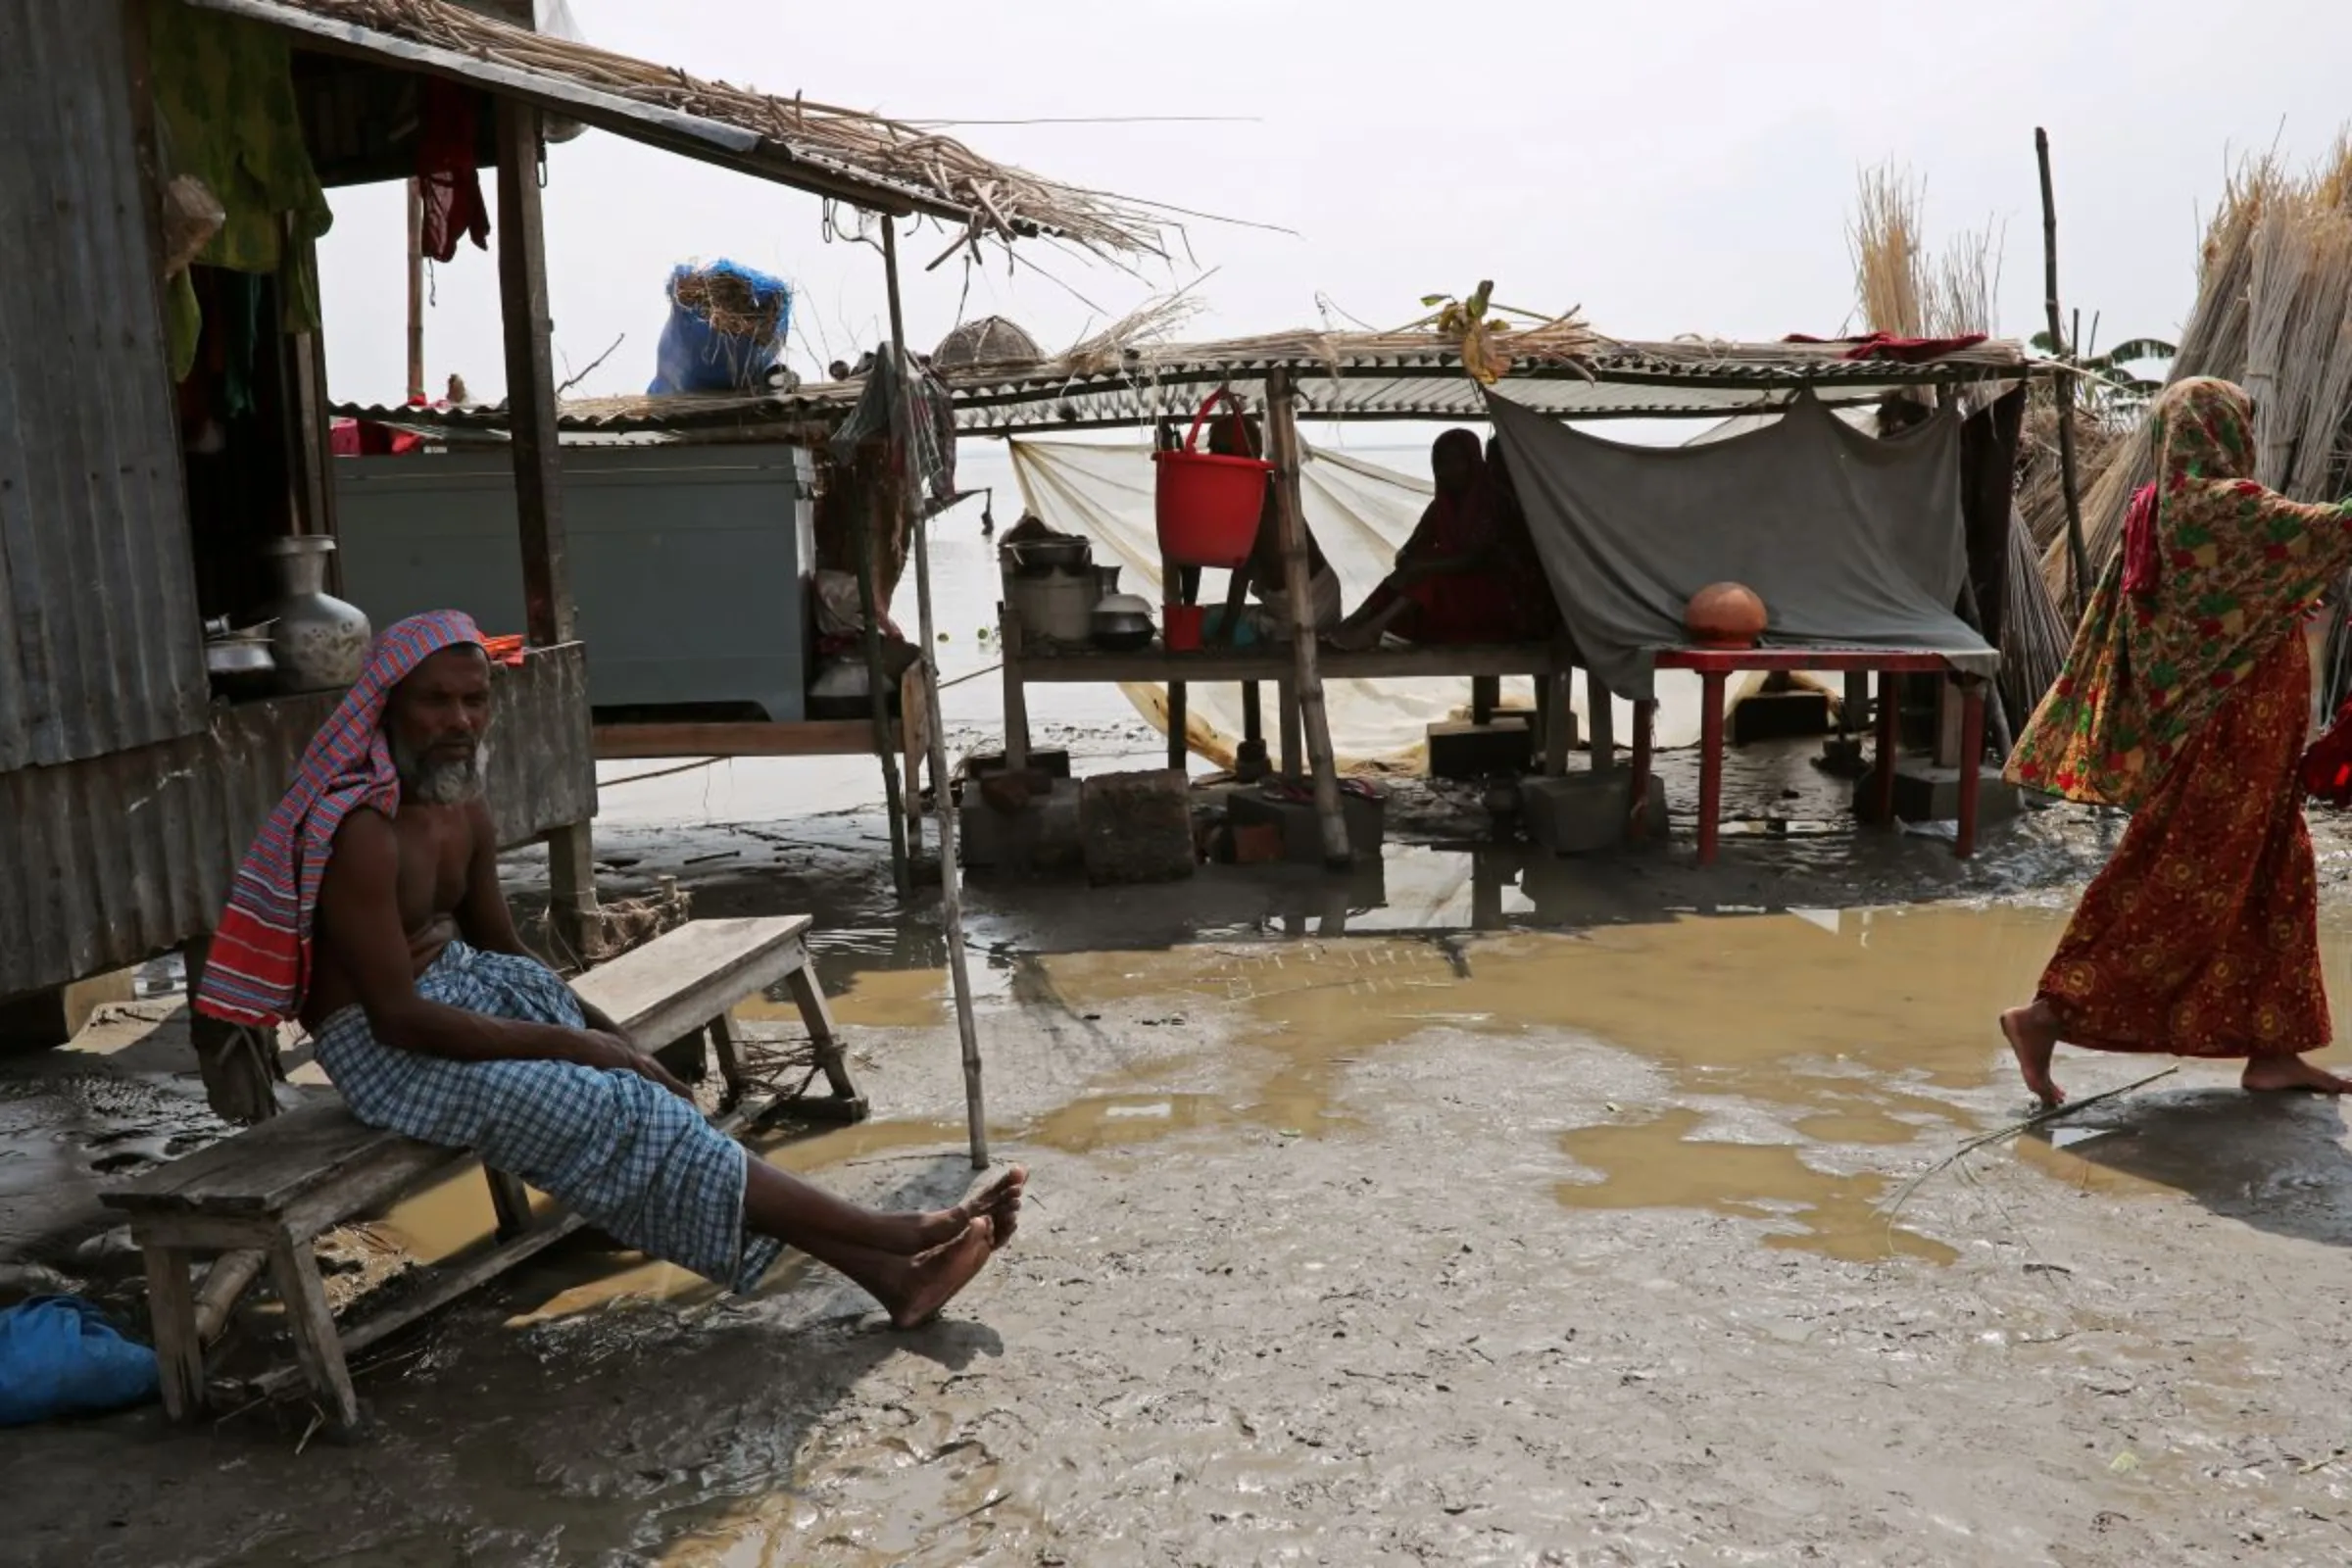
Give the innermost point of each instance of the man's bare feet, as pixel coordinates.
(2032, 1036)
(930, 1281)
(2293, 1074)
(999, 1202)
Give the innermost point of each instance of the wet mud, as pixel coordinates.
(1477, 1210)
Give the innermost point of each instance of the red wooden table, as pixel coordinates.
(1715, 666)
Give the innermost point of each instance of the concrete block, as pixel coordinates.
(1136, 827)
(1302, 833)
(1040, 840)
(1466, 751)
(1779, 716)
(1053, 763)
(1579, 813)
(1257, 843)
(47, 1019)
(1924, 793)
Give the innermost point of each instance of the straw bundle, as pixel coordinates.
(2274, 314)
(1900, 290)
(730, 303)
(1885, 239)
(994, 200)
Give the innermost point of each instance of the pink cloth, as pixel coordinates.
(258, 969)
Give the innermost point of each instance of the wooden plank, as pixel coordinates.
(721, 1030)
(294, 1269)
(848, 737)
(510, 1202)
(548, 611)
(817, 1018)
(682, 979)
(1798, 660)
(445, 1286)
(261, 1168)
(1372, 663)
(172, 1319)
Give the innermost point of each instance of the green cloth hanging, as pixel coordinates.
(225, 102)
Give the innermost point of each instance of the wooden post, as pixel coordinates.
(1282, 447)
(1603, 719)
(1710, 763)
(531, 378)
(950, 884)
(1172, 591)
(2078, 559)
(416, 393)
(549, 615)
(1972, 765)
(172, 1324)
(1009, 633)
(1890, 730)
(877, 689)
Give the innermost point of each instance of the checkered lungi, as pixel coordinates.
(633, 1159)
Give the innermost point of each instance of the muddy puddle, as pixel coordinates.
(1789, 1054)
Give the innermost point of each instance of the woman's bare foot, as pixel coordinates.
(2032, 1036)
(2293, 1074)
(929, 1282)
(1000, 1203)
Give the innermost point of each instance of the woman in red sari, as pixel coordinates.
(2187, 699)
(1457, 578)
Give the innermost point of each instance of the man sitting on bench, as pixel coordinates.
(370, 908)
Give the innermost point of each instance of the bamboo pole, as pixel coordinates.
(1282, 448)
(2078, 559)
(877, 689)
(415, 294)
(950, 891)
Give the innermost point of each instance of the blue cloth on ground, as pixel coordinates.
(695, 356)
(633, 1158)
(59, 1356)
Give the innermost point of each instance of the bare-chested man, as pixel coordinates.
(370, 909)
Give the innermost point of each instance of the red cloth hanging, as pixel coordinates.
(446, 175)
(1887, 346)
(2328, 765)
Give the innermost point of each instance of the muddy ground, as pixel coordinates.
(1483, 1210)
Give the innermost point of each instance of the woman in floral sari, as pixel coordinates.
(2187, 699)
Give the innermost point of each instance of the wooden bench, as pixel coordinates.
(271, 1191)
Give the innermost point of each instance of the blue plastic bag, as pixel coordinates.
(695, 356)
(59, 1356)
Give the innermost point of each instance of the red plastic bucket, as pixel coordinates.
(1206, 505)
(1180, 627)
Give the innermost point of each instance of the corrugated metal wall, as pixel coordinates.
(107, 862)
(100, 649)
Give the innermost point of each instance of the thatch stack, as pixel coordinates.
(2274, 314)
(1901, 290)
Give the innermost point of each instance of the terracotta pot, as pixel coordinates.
(1725, 614)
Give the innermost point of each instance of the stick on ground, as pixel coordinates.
(2050, 1113)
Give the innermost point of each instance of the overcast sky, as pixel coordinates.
(1671, 166)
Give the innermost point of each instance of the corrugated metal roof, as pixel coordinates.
(100, 646)
(1617, 380)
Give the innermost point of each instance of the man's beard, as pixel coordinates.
(430, 782)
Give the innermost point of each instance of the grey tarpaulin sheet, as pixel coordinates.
(1851, 541)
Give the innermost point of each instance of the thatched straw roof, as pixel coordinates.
(845, 154)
